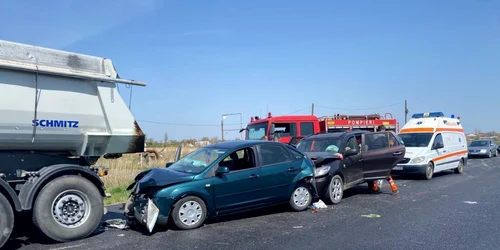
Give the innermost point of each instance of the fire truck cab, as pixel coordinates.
(284, 128)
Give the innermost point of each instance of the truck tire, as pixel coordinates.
(68, 208)
(6, 220)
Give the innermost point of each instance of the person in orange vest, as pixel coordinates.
(378, 184)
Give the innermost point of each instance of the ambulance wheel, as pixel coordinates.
(460, 168)
(6, 221)
(429, 171)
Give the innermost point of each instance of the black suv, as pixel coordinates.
(346, 159)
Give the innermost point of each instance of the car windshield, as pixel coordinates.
(331, 144)
(479, 143)
(418, 140)
(257, 131)
(198, 160)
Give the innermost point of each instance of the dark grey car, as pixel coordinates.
(483, 148)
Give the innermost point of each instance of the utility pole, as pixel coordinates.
(222, 129)
(224, 116)
(312, 109)
(241, 126)
(406, 111)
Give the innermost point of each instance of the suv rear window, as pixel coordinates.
(319, 144)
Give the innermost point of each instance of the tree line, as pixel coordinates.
(151, 142)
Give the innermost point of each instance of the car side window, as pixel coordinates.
(295, 154)
(241, 159)
(393, 141)
(273, 154)
(439, 138)
(375, 141)
(351, 144)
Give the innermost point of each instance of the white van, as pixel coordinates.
(434, 143)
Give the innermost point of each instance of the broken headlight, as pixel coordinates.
(321, 171)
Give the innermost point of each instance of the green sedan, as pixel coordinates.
(221, 179)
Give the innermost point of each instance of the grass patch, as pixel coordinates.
(122, 171)
(118, 194)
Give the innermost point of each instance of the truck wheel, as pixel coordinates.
(6, 220)
(335, 190)
(68, 208)
(429, 171)
(189, 213)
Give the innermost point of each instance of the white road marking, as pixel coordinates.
(68, 247)
(470, 202)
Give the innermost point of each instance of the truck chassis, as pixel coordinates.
(63, 195)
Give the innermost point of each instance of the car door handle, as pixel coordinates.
(361, 159)
(292, 169)
(254, 176)
(444, 151)
(397, 153)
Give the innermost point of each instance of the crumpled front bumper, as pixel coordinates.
(142, 210)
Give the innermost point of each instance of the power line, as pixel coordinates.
(187, 125)
(387, 106)
(204, 125)
(234, 124)
(296, 111)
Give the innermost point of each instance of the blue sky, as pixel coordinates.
(203, 58)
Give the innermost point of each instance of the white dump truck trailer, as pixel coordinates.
(59, 113)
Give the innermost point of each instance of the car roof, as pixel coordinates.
(239, 143)
(336, 134)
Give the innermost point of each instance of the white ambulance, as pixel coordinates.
(434, 143)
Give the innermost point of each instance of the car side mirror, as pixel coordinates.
(222, 170)
(168, 164)
(438, 145)
(350, 152)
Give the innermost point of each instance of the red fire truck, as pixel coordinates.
(296, 126)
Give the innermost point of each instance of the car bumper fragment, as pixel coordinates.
(142, 210)
(322, 184)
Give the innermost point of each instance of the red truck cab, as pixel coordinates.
(284, 128)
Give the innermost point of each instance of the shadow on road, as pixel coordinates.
(421, 177)
(26, 235)
(233, 217)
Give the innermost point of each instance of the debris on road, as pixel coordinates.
(371, 216)
(116, 223)
(470, 202)
(320, 204)
(314, 209)
(296, 227)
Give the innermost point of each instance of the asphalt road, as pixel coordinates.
(450, 211)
